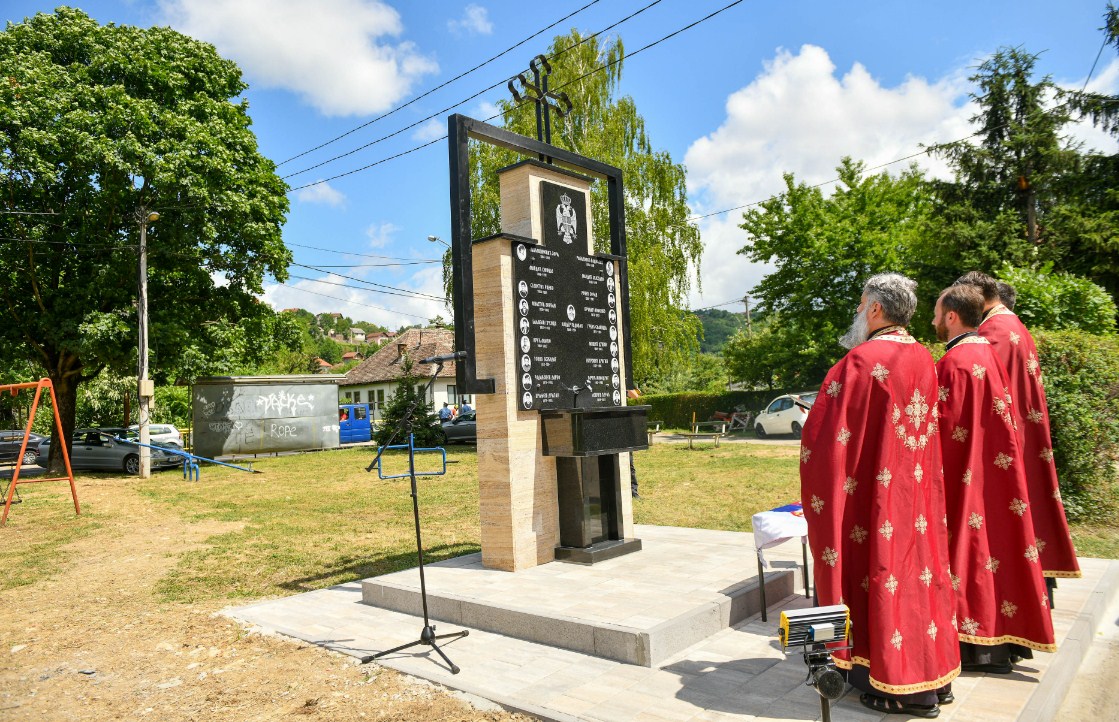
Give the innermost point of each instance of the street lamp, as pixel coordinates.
(437, 239)
(146, 389)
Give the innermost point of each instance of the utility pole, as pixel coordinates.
(749, 325)
(146, 389)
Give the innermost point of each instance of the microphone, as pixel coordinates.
(444, 358)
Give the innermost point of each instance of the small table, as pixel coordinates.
(652, 427)
(775, 527)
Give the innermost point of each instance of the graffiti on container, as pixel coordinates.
(284, 403)
(223, 427)
(283, 431)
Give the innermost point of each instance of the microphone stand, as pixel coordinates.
(428, 636)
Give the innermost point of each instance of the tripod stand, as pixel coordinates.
(427, 634)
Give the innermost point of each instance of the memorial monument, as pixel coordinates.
(544, 323)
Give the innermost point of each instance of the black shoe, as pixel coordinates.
(893, 706)
(998, 668)
(945, 697)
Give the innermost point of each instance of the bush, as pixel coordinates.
(1055, 300)
(1081, 374)
(675, 410)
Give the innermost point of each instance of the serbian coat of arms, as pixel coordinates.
(565, 219)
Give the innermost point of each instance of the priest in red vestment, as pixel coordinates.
(1017, 351)
(1002, 606)
(872, 487)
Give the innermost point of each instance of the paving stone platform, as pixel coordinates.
(737, 673)
(641, 608)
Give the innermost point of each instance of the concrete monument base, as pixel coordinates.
(686, 585)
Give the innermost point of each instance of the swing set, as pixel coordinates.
(39, 385)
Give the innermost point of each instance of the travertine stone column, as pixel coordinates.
(517, 483)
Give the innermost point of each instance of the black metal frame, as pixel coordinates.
(460, 129)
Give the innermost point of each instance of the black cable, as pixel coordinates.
(390, 292)
(343, 300)
(432, 142)
(372, 283)
(453, 106)
(443, 85)
(364, 255)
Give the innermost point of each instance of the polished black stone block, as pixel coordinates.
(591, 432)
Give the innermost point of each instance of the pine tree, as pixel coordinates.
(425, 424)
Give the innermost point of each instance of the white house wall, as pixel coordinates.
(361, 393)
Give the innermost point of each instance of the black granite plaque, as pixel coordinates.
(567, 311)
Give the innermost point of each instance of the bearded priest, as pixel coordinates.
(1002, 605)
(1017, 351)
(873, 493)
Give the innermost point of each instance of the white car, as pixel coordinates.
(161, 433)
(785, 415)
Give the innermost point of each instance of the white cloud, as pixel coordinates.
(475, 19)
(333, 53)
(432, 129)
(379, 234)
(798, 116)
(322, 193)
(486, 111)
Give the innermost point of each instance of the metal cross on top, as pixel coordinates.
(537, 91)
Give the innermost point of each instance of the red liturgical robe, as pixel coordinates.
(1016, 350)
(1000, 592)
(873, 493)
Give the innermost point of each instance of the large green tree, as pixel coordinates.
(663, 248)
(1023, 193)
(98, 126)
(823, 248)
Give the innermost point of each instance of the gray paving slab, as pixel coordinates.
(738, 673)
(638, 608)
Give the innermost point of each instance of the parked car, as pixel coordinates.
(97, 449)
(461, 428)
(161, 433)
(785, 415)
(10, 441)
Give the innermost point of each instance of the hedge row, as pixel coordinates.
(1081, 374)
(675, 410)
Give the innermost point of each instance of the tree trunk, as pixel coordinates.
(66, 391)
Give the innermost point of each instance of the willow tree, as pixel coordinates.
(663, 248)
(99, 125)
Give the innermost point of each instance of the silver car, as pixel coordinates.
(462, 428)
(96, 449)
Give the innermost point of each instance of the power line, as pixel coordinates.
(344, 300)
(442, 85)
(432, 142)
(717, 305)
(376, 265)
(365, 255)
(455, 105)
(388, 290)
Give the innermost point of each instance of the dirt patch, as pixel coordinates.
(93, 642)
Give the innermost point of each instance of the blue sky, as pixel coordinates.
(762, 89)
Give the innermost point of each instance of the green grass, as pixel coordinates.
(1096, 541)
(313, 520)
(713, 488)
(38, 530)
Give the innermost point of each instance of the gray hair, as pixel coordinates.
(896, 294)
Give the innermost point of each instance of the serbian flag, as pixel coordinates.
(777, 526)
